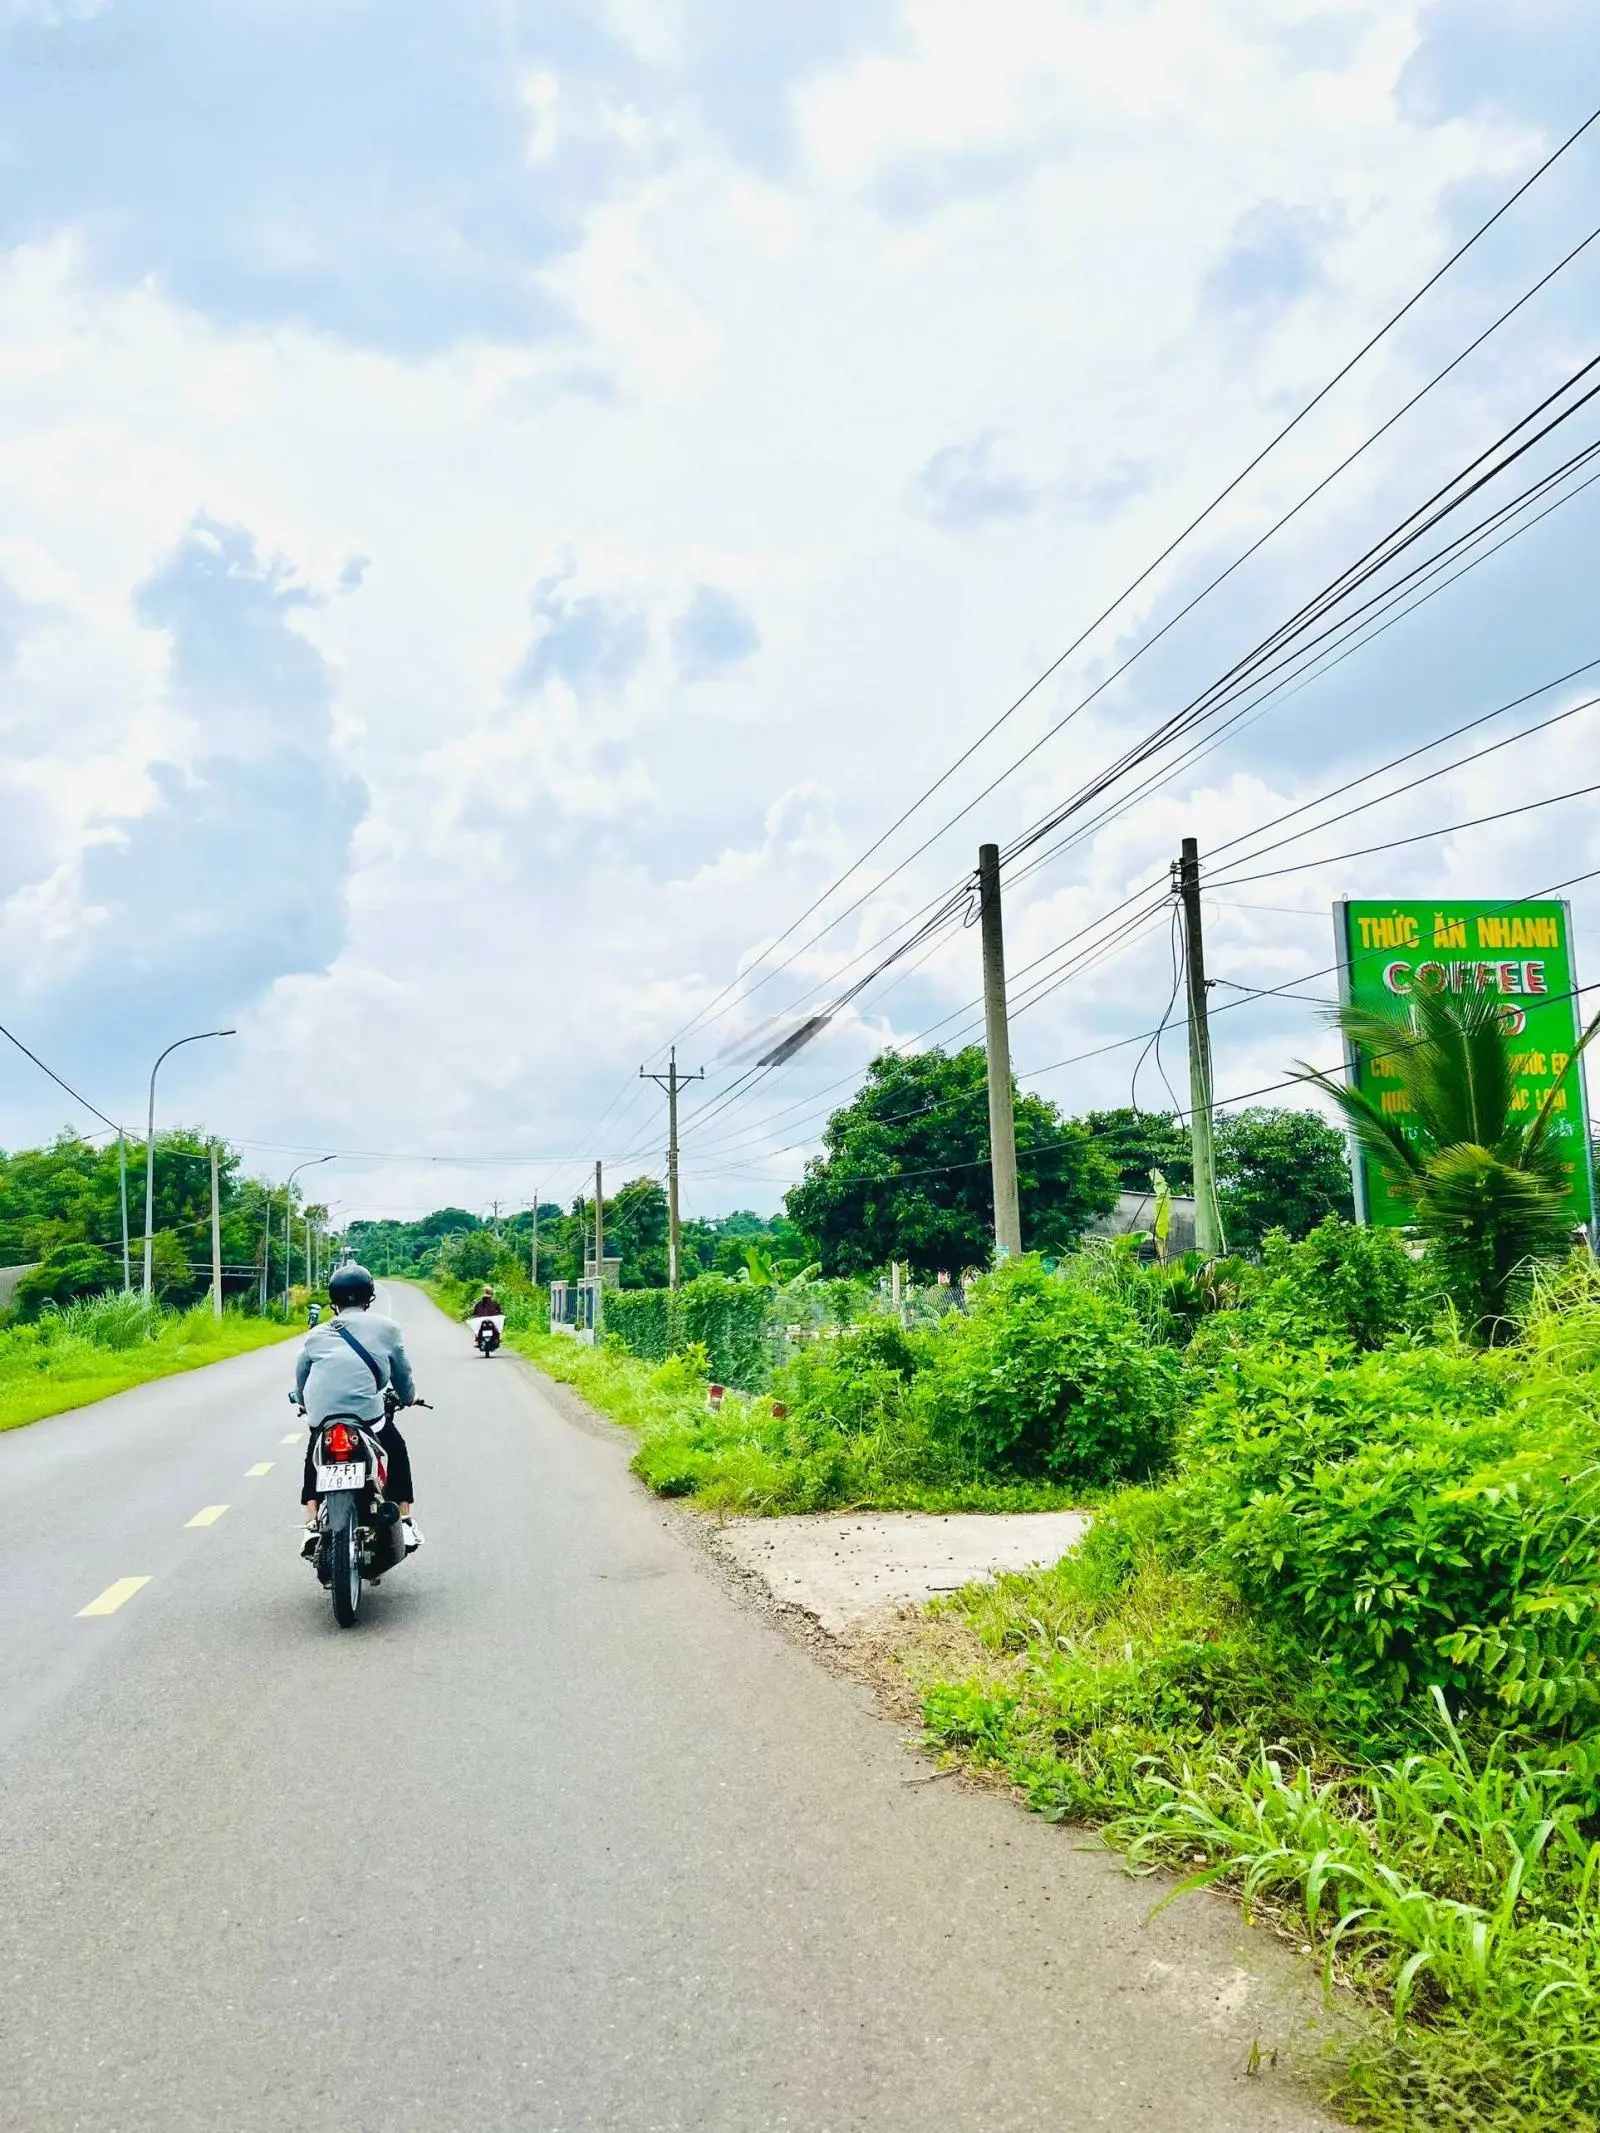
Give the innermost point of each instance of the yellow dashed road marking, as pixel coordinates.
(209, 1516)
(294, 1436)
(254, 1473)
(113, 1596)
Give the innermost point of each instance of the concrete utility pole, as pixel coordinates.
(122, 1186)
(533, 1244)
(1002, 1116)
(199, 1037)
(599, 1249)
(216, 1239)
(1207, 1214)
(672, 1081)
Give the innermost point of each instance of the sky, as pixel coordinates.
(502, 507)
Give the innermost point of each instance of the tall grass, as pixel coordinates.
(106, 1344)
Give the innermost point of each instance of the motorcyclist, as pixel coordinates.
(335, 1377)
(313, 1314)
(487, 1306)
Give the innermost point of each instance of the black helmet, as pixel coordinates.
(350, 1284)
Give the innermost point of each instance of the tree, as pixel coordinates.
(636, 1231)
(1487, 1188)
(68, 1194)
(905, 1172)
(1285, 1170)
(65, 1273)
(469, 1255)
(1138, 1142)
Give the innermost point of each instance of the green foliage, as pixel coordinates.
(1130, 1687)
(648, 1322)
(741, 1244)
(105, 1344)
(636, 1230)
(66, 1271)
(1346, 1661)
(1340, 1284)
(1486, 1185)
(469, 1255)
(734, 1322)
(1275, 1169)
(1047, 1385)
(1137, 1142)
(526, 1309)
(1051, 1379)
(905, 1174)
(1279, 1170)
(68, 1195)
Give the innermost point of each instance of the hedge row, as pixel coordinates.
(737, 1323)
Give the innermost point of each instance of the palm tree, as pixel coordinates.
(1485, 1187)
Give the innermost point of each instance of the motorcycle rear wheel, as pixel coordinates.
(344, 1561)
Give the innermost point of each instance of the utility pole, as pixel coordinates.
(1207, 1215)
(122, 1186)
(599, 1249)
(533, 1244)
(150, 1147)
(288, 1220)
(266, 1246)
(1002, 1116)
(672, 1081)
(216, 1239)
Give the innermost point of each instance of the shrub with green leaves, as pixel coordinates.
(1421, 1518)
(67, 1272)
(1046, 1377)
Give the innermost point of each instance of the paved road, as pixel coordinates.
(563, 1836)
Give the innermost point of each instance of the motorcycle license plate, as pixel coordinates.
(351, 1476)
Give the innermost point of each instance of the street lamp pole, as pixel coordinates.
(199, 1037)
(288, 1219)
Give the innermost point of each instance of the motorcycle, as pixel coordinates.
(358, 1523)
(486, 1337)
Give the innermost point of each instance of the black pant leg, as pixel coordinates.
(400, 1488)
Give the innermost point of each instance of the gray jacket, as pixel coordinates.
(331, 1379)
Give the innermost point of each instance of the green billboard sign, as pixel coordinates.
(1523, 952)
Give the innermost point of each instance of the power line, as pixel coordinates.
(1194, 524)
(1031, 997)
(1254, 669)
(56, 1078)
(1503, 814)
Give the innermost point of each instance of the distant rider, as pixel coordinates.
(333, 1377)
(313, 1314)
(486, 1306)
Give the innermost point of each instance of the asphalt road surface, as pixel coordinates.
(564, 1835)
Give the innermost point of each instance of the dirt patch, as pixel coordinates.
(845, 1568)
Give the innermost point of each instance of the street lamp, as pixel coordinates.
(288, 1219)
(150, 1147)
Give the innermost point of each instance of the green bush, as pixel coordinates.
(1345, 1283)
(1048, 1378)
(648, 1322)
(70, 1271)
(1422, 1518)
(735, 1322)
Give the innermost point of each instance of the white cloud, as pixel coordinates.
(994, 243)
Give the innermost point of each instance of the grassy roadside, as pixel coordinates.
(750, 1460)
(1339, 1653)
(1448, 1875)
(87, 1353)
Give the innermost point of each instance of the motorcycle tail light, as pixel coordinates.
(339, 1442)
